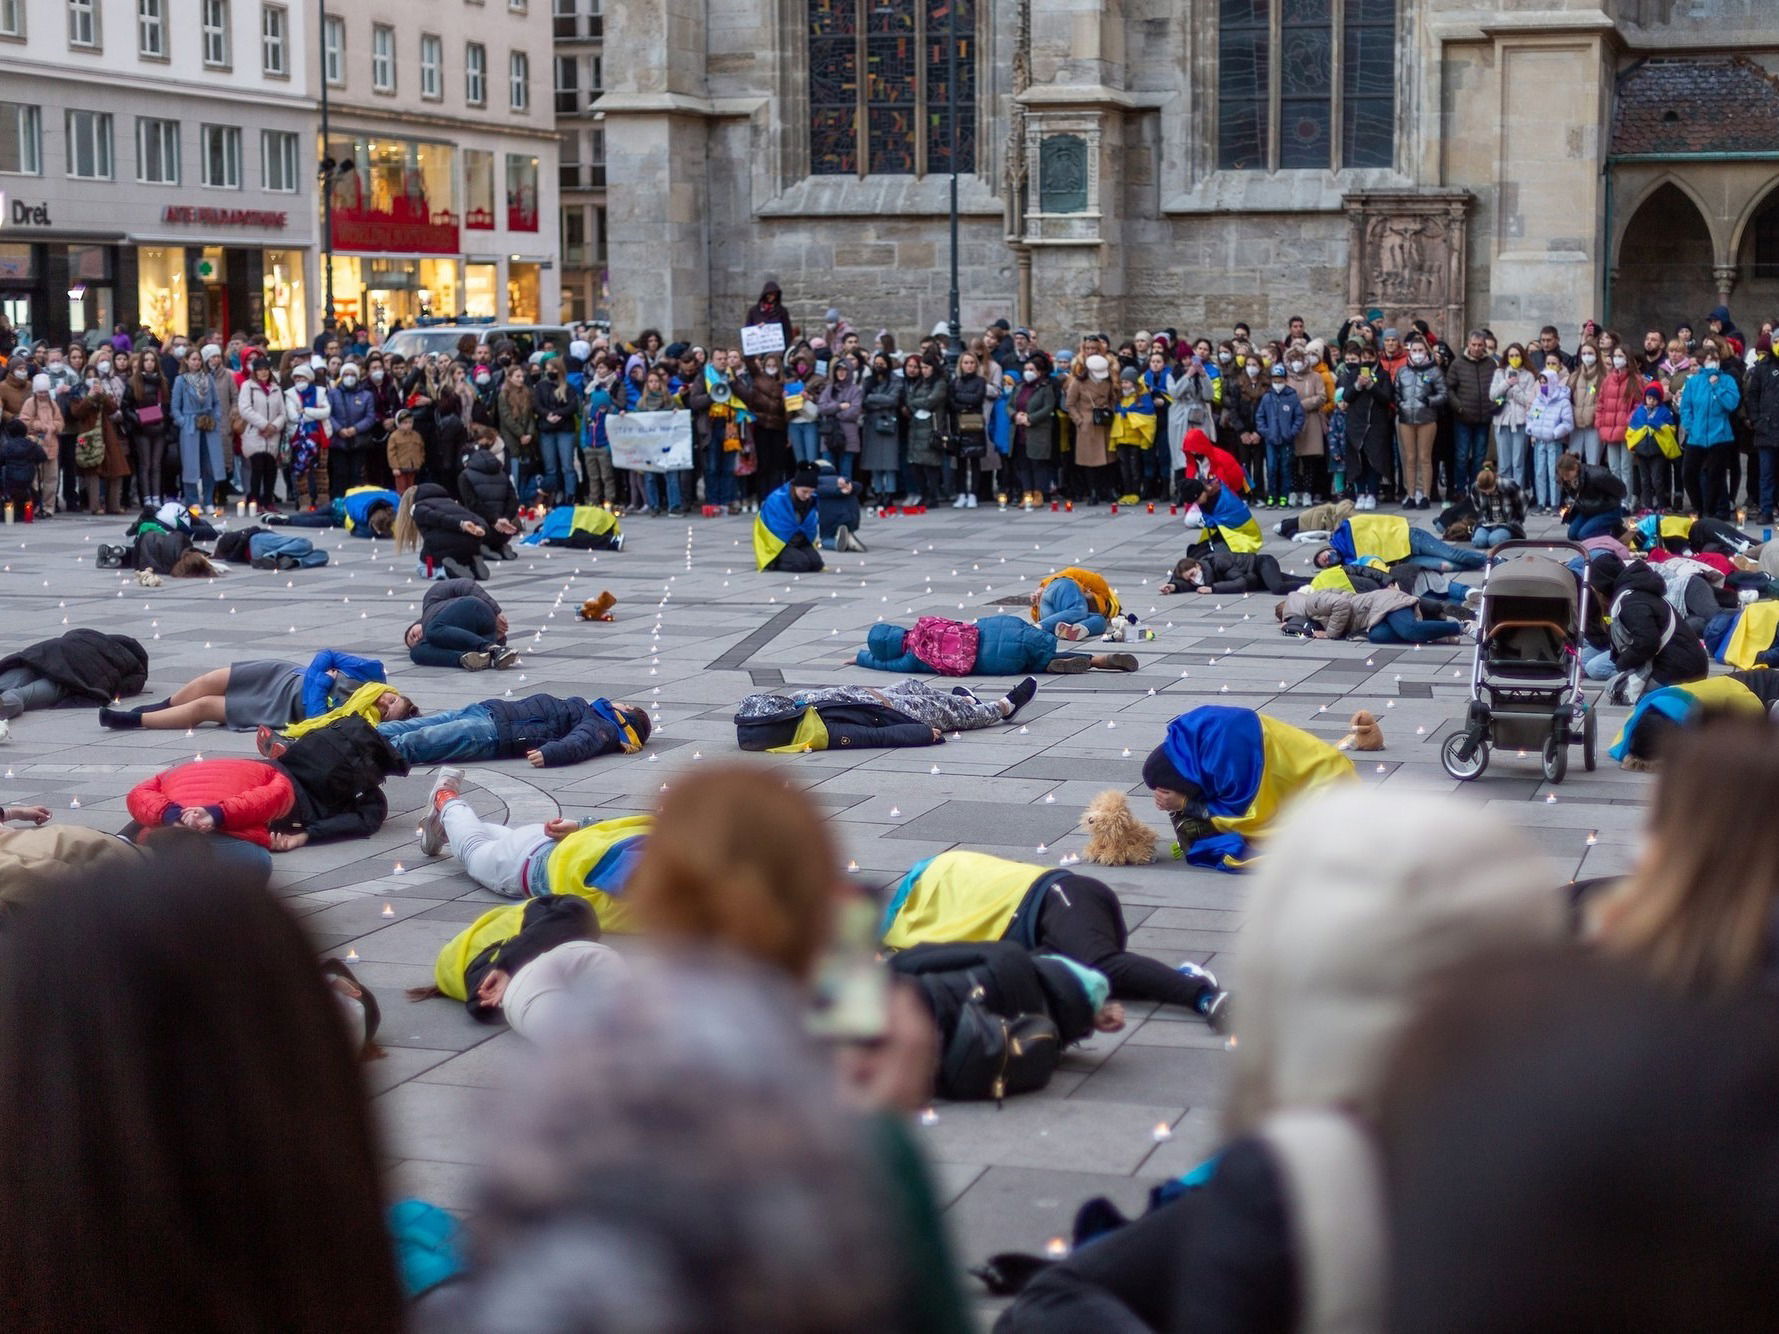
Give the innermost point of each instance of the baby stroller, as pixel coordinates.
(1525, 680)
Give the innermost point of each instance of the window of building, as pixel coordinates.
(521, 193)
(478, 190)
(222, 156)
(21, 139)
(596, 158)
(333, 50)
(1306, 84)
(89, 145)
(273, 24)
(12, 18)
(278, 161)
(568, 93)
(574, 236)
(595, 73)
(880, 86)
(383, 58)
(568, 160)
(83, 23)
(519, 81)
(517, 6)
(475, 74)
(157, 151)
(151, 29)
(216, 33)
(432, 67)
(599, 233)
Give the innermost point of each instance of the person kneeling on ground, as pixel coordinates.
(78, 666)
(1074, 603)
(1396, 542)
(1664, 714)
(581, 527)
(1224, 774)
(1646, 641)
(1229, 524)
(970, 896)
(988, 646)
(1594, 495)
(547, 730)
(1229, 572)
(326, 785)
(837, 508)
(1385, 616)
(460, 625)
(1500, 510)
(521, 962)
(786, 529)
(487, 491)
(1008, 981)
(909, 713)
(589, 859)
(448, 536)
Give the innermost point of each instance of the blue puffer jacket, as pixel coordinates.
(1706, 408)
(1009, 646)
(566, 731)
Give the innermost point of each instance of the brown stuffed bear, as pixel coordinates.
(599, 608)
(1365, 734)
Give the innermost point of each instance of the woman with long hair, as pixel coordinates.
(185, 1138)
(1697, 912)
(145, 416)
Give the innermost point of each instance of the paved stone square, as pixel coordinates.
(696, 629)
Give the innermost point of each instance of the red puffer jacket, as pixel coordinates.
(1620, 393)
(244, 795)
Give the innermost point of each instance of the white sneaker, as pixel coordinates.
(961, 501)
(1294, 500)
(1194, 517)
(432, 828)
(970, 501)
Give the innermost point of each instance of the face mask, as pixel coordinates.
(348, 380)
(1030, 375)
(1280, 387)
(1588, 358)
(1296, 367)
(1352, 365)
(1419, 358)
(377, 376)
(1711, 365)
(1619, 361)
(19, 374)
(1226, 357)
(483, 377)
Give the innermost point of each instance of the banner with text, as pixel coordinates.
(650, 441)
(759, 340)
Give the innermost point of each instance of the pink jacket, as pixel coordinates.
(1620, 393)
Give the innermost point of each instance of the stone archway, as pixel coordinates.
(1664, 270)
(1757, 264)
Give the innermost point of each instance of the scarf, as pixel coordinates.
(605, 709)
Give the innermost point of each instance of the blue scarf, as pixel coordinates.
(605, 709)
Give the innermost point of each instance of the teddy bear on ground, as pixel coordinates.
(599, 608)
(1115, 837)
(1365, 734)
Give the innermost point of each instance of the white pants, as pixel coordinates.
(494, 855)
(541, 993)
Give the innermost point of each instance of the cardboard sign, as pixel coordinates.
(651, 441)
(757, 340)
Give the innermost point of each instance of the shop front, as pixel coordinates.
(397, 255)
(191, 276)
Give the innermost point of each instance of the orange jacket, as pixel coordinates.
(244, 796)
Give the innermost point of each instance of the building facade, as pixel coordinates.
(1125, 164)
(442, 197)
(155, 158)
(579, 76)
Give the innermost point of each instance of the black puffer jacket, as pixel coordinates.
(564, 731)
(440, 520)
(486, 488)
(1595, 490)
(337, 773)
(1760, 401)
(87, 664)
(1013, 982)
(1640, 617)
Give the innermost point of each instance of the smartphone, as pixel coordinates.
(850, 999)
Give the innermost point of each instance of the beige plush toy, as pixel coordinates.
(1365, 734)
(599, 608)
(1115, 837)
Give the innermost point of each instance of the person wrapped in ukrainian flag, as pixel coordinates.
(786, 528)
(582, 527)
(1395, 541)
(1228, 522)
(1662, 713)
(1133, 434)
(1224, 774)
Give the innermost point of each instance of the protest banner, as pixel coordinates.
(757, 340)
(650, 441)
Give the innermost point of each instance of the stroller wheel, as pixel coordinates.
(1589, 735)
(1556, 757)
(1463, 769)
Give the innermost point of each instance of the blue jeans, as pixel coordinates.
(1484, 538)
(1279, 459)
(1544, 470)
(806, 441)
(1470, 447)
(557, 449)
(1511, 453)
(843, 460)
(719, 474)
(200, 456)
(1596, 663)
(457, 734)
(652, 483)
(280, 544)
(1596, 525)
(524, 475)
(1062, 602)
(1403, 626)
(1427, 552)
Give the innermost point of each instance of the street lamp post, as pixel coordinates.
(328, 167)
(957, 342)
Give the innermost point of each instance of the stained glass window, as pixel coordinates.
(880, 86)
(1291, 71)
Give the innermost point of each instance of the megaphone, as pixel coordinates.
(720, 392)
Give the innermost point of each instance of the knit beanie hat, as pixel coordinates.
(1159, 771)
(807, 474)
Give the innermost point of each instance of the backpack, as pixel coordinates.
(948, 647)
(989, 1056)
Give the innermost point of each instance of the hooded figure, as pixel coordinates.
(769, 309)
(1289, 1231)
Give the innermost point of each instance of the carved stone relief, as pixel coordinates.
(1406, 255)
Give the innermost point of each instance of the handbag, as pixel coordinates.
(149, 413)
(1103, 416)
(968, 422)
(89, 448)
(205, 422)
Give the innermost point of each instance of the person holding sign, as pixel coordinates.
(769, 309)
(785, 528)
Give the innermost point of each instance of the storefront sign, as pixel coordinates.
(370, 230)
(225, 217)
(650, 441)
(22, 213)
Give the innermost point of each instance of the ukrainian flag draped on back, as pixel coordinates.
(1682, 704)
(957, 896)
(1247, 768)
(777, 523)
(596, 862)
(1230, 519)
(1382, 535)
(1750, 635)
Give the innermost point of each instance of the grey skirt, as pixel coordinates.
(263, 693)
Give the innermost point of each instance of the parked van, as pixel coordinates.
(419, 341)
